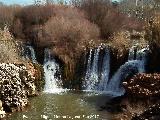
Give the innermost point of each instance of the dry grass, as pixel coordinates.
(8, 47)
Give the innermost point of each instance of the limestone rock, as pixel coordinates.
(2, 113)
(143, 85)
(16, 84)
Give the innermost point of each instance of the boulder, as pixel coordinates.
(143, 85)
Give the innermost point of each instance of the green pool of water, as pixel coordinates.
(64, 106)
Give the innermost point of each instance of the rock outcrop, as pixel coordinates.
(143, 85)
(16, 84)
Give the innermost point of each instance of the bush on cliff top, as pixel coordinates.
(153, 32)
(106, 16)
(7, 14)
(8, 47)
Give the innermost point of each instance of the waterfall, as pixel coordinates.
(132, 53)
(52, 78)
(131, 67)
(91, 78)
(93, 81)
(136, 64)
(29, 53)
(88, 71)
(33, 55)
(105, 71)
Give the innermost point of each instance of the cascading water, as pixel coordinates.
(130, 67)
(52, 79)
(91, 78)
(135, 64)
(29, 53)
(105, 71)
(132, 53)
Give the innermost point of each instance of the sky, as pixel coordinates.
(22, 2)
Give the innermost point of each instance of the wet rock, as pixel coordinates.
(115, 105)
(152, 113)
(143, 85)
(16, 84)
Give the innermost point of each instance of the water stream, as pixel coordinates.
(53, 82)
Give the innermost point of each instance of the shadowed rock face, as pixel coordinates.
(16, 84)
(143, 85)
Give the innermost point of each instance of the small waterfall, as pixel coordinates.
(29, 53)
(91, 78)
(105, 71)
(88, 71)
(33, 55)
(132, 53)
(130, 67)
(52, 78)
(136, 64)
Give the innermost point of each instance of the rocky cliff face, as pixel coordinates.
(16, 84)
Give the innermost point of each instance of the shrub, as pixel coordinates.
(153, 32)
(72, 34)
(7, 14)
(29, 19)
(106, 16)
(121, 42)
(8, 47)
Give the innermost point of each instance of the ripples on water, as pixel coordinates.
(67, 105)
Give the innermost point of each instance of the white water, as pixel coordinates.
(53, 83)
(105, 71)
(91, 78)
(30, 54)
(132, 53)
(130, 67)
(135, 64)
(88, 72)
